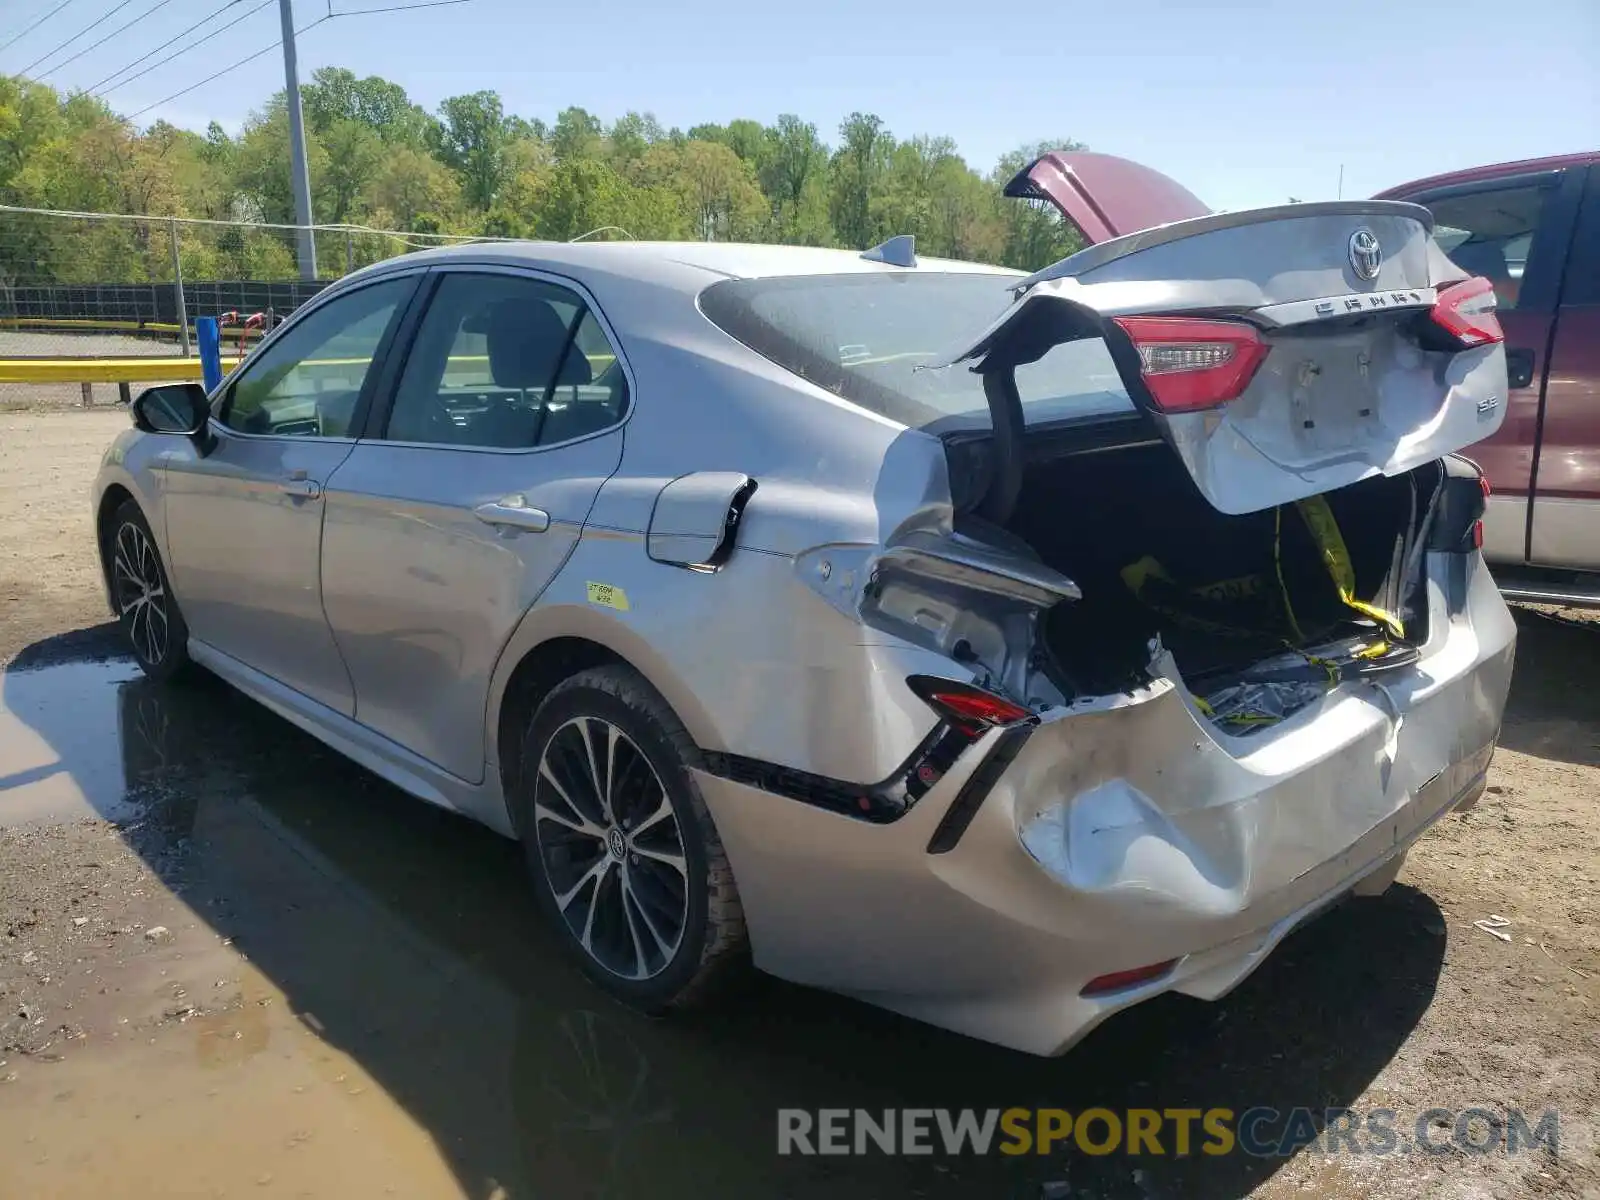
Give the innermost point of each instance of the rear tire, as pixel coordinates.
(626, 862)
(142, 595)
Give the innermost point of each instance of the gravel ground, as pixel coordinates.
(231, 961)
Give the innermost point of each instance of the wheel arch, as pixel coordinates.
(112, 498)
(554, 644)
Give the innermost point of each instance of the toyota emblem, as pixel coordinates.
(1366, 255)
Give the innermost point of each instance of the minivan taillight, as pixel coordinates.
(1191, 364)
(1466, 311)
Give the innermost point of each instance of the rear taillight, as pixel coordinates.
(968, 708)
(1191, 364)
(966, 713)
(1466, 311)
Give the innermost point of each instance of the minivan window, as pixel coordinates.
(1488, 232)
(868, 337)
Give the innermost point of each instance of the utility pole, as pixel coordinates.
(300, 178)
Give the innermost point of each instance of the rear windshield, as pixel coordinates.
(867, 337)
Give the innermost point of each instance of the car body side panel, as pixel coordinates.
(752, 661)
(1566, 508)
(1511, 457)
(1565, 530)
(1507, 455)
(244, 553)
(422, 595)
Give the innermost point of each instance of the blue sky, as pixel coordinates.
(1245, 103)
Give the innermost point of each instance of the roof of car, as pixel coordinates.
(689, 264)
(1521, 166)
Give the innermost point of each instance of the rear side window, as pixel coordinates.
(506, 362)
(868, 337)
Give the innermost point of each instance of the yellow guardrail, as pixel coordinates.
(98, 370)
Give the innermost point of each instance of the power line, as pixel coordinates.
(183, 33)
(95, 45)
(35, 25)
(231, 67)
(361, 12)
(181, 51)
(249, 58)
(91, 25)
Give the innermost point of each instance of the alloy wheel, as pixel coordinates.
(611, 847)
(140, 594)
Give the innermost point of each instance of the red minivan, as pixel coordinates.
(1533, 229)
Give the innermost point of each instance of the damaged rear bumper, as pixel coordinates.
(1126, 831)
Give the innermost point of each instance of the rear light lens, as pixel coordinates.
(1120, 980)
(1466, 311)
(966, 713)
(1191, 364)
(968, 708)
(979, 707)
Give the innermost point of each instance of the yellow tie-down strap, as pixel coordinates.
(1318, 517)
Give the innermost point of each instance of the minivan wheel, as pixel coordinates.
(142, 595)
(626, 861)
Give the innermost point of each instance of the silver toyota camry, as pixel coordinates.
(1000, 650)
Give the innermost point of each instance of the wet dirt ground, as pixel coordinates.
(233, 963)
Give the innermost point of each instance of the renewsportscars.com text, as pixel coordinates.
(1262, 1132)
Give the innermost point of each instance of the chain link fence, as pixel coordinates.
(109, 286)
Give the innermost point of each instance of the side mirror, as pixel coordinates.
(179, 408)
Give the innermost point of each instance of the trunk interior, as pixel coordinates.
(1224, 593)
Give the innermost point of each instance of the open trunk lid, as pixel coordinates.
(1281, 352)
(1104, 196)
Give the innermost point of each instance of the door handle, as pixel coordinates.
(300, 488)
(1519, 367)
(513, 512)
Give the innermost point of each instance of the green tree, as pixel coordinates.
(414, 192)
(717, 191)
(377, 158)
(858, 169)
(471, 140)
(791, 171)
(354, 156)
(576, 135)
(261, 166)
(630, 137)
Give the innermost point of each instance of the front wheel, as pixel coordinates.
(142, 594)
(626, 861)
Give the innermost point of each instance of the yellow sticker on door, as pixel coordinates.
(608, 596)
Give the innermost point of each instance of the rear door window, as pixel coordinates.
(507, 362)
(868, 337)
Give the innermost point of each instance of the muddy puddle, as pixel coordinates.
(273, 974)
